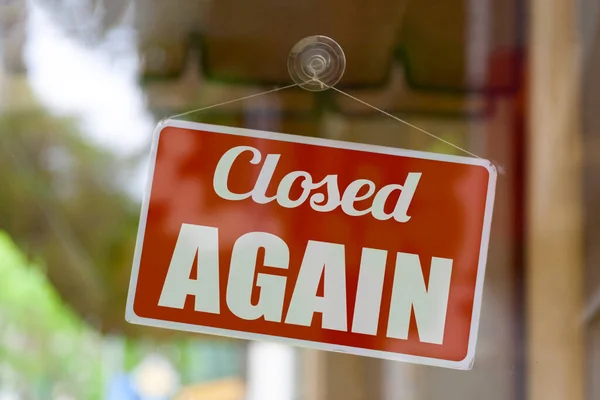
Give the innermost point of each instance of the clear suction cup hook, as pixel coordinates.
(316, 63)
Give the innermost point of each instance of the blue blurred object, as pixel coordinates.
(120, 388)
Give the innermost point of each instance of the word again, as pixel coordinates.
(321, 260)
(317, 200)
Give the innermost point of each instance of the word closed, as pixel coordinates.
(336, 246)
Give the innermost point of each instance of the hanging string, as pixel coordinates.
(233, 101)
(387, 114)
(405, 122)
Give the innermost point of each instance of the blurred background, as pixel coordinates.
(84, 82)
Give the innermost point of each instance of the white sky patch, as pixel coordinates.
(97, 85)
(92, 84)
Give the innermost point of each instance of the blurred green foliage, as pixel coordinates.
(67, 234)
(44, 344)
(62, 201)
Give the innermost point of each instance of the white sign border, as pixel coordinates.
(465, 364)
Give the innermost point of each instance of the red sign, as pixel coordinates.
(336, 246)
